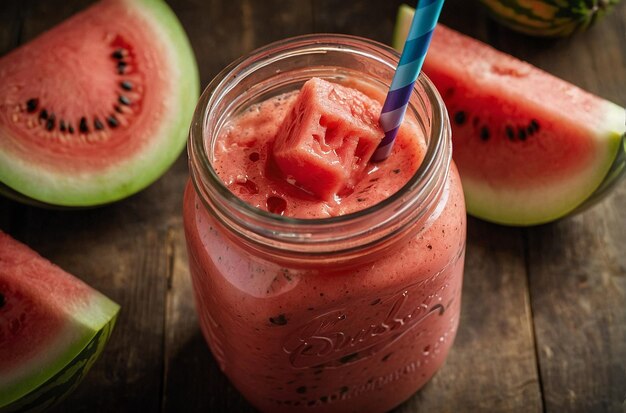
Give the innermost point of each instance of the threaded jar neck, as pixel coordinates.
(284, 66)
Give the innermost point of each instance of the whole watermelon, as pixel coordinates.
(548, 18)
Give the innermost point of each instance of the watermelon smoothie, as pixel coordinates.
(347, 304)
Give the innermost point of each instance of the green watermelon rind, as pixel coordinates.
(60, 373)
(142, 169)
(401, 29)
(522, 208)
(568, 18)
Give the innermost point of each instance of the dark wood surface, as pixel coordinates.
(543, 324)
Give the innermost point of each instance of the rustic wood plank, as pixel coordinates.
(359, 18)
(222, 31)
(11, 21)
(578, 280)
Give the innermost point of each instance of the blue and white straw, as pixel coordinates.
(417, 42)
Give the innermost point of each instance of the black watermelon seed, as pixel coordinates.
(301, 389)
(279, 320)
(124, 100)
(521, 133)
(396, 171)
(97, 124)
(50, 122)
(510, 133)
(112, 121)
(348, 358)
(117, 109)
(484, 133)
(387, 356)
(459, 118)
(343, 389)
(43, 114)
(62, 125)
(126, 85)
(254, 156)
(83, 125)
(324, 399)
(121, 67)
(31, 105)
(70, 128)
(118, 54)
(534, 124)
(2, 300)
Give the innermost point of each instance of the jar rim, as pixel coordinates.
(436, 156)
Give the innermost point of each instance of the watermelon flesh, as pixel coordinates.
(529, 146)
(98, 107)
(52, 328)
(326, 141)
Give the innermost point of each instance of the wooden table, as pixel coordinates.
(543, 324)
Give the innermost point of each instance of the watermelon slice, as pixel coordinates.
(97, 108)
(325, 142)
(52, 329)
(530, 147)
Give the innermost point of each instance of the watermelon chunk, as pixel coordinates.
(530, 147)
(328, 137)
(52, 329)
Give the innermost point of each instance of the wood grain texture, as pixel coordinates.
(577, 271)
(222, 31)
(11, 21)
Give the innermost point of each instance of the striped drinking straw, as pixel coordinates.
(424, 22)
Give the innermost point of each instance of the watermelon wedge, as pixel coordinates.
(325, 142)
(530, 147)
(52, 329)
(98, 107)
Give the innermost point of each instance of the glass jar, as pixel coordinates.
(350, 313)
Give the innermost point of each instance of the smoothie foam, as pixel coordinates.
(243, 160)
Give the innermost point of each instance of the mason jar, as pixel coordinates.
(350, 313)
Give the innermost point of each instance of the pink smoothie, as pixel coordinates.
(357, 339)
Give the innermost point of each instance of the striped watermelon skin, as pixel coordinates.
(66, 380)
(548, 18)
